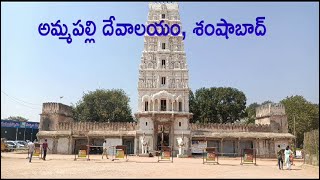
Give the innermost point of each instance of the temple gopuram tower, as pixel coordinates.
(163, 102)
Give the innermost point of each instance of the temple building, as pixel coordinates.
(163, 109)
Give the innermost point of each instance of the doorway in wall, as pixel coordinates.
(163, 135)
(129, 142)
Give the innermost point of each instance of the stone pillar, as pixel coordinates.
(88, 141)
(183, 104)
(221, 145)
(255, 146)
(55, 145)
(70, 145)
(171, 136)
(172, 106)
(153, 106)
(239, 150)
(189, 145)
(155, 134)
(159, 104)
(142, 147)
(167, 104)
(135, 145)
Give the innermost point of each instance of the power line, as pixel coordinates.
(21, 100)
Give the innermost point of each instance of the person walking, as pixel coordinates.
(31, 147)
(105, 149)
(44, 148)
(28, 142)
(287, 154)
(280, 157)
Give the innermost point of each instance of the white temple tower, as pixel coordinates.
(163, 103)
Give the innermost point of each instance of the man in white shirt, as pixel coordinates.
(31, 147)
(28, 142)
(105, 149)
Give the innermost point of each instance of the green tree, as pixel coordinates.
(231, 104)
(266, 102)
(304, 113)
(193, 107)
(251, 112)
(103, 106)
(18, 118)
(217, 105)
(205, 109)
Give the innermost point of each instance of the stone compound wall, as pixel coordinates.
(215, 127)
(58, 117)
(94, 126)
(311, 147)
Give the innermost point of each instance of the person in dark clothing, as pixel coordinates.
(280, 157)
(45, 147)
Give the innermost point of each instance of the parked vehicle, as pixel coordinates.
(21, 144)
(10, 145)
(18, 145)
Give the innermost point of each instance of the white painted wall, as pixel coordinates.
(184, 124)
(146, 124)
(62, 147)
(113, 142)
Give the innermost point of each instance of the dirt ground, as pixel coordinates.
(64, 166)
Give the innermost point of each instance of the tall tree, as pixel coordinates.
(193, 107)
(103, 106)
(251, 112)
(266, 102)
(302, 115)
(231, 104)
(217, 105)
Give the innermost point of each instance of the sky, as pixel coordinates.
(37, 69)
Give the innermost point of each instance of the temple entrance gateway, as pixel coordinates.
(165, 138)
(163, 135)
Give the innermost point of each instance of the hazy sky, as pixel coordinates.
(37, 69)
